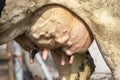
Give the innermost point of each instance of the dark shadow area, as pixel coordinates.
(2, 4)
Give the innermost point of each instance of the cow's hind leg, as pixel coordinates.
(81, 69)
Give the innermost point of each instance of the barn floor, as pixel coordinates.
(27, 75)
(4, 73)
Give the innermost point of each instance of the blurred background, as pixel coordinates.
(14, 65)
